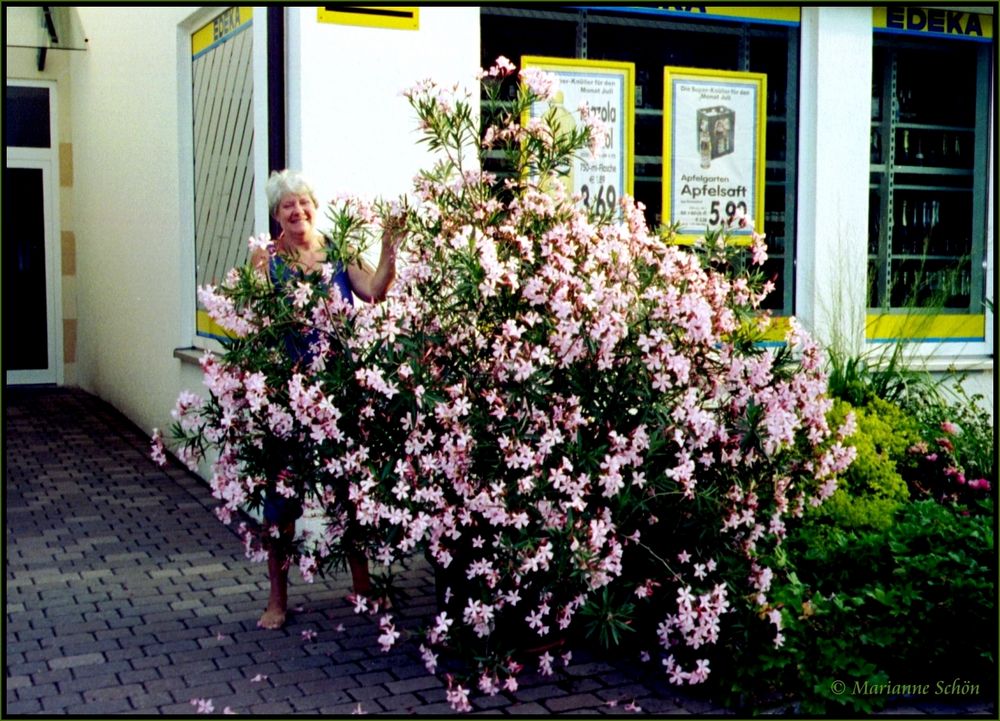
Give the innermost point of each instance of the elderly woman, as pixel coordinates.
(299, 249)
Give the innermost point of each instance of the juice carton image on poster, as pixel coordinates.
(716, 132)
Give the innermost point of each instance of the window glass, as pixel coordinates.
(926, 234)
(223, 141)
(26, 117)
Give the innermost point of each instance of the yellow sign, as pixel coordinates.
(608, 89)
(713, 150)
(938, 327)
(375, 16)
(207, 327)
(776, 14)
(223, 26)
(933, 22)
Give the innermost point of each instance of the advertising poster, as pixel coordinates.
(713, 149)
(608, 89)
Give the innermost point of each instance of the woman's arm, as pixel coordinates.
(371, 286)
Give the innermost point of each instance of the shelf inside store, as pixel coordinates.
(930, 170)
(902, 125)
(911, 256)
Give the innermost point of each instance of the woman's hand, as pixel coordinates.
(393, 232)
(371, 286)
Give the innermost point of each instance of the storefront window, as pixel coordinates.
(928, 186)
(750, 39)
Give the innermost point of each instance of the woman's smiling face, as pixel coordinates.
(296, 213)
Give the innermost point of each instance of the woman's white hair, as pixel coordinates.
(286, 182)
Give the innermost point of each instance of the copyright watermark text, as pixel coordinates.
(954, 687)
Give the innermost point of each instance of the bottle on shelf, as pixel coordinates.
(873, 229)
(904, 103)
(904, 229)
(904, 157)
(934, 227)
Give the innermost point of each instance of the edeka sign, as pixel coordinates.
(224, 26)
(933, 21)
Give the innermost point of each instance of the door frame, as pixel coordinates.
(46, 160)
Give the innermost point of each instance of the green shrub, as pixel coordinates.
(910, 604)
(872, 489)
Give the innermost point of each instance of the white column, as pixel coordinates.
(834, 136)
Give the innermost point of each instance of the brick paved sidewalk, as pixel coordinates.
(125, 595)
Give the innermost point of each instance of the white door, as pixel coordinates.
(32, 313)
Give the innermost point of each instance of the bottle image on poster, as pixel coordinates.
(563, 123)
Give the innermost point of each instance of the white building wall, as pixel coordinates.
(127, 211)
(350, 129)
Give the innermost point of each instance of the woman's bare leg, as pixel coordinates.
(277, 573)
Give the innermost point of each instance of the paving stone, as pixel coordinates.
(350, 708)
(367, 693)
(316, 701)
(60, 702)
(100, 708)
(85, 659)
(13, 708)
(572, 702)
(16, 682)
(26, 693)
(413, 684)
(441, 708)
(112, 693)
(534, 693)
(485, 703)
(214, 691)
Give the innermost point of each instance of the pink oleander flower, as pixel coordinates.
(758, 249)
(203, 705)
(458, 697)
(542, 84)
(157, 450)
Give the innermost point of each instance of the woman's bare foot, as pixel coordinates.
(273, 618)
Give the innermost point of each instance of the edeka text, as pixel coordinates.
(948, 22)
(225, 23)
